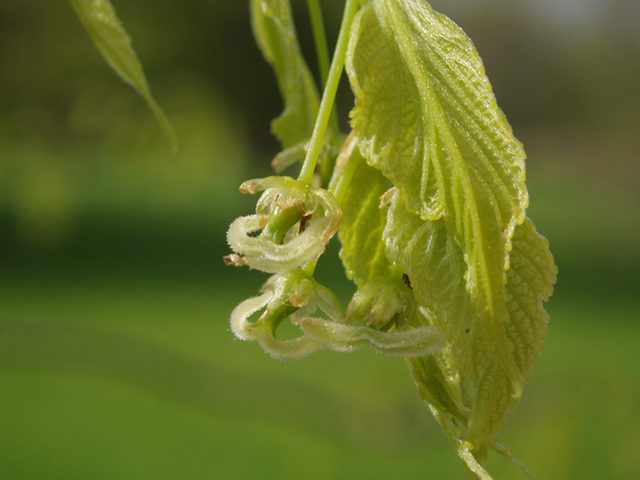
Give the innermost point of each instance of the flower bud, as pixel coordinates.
(382, 303)
(294, 287)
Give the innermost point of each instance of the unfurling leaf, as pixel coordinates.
(434, 262)
(427, 118)
(111, 39)
(418, 342)
(363, 222)
(286, 350)
(276, 36)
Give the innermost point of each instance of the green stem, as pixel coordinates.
(310, 267)
(279, 224)
(329, 95)
(274, 318)
(322, 51)
(320, 39)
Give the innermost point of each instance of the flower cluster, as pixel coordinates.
(304, 219)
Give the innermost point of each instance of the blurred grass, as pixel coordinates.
(141, 379)
(116, 362)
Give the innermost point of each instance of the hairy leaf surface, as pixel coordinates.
(427, 118)
(434, 262)
(275, 34)
(362, 224)
(100, 19)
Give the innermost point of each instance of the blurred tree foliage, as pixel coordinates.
(72, 132)
(544, 75)
(53, 79)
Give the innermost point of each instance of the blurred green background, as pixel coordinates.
(116, 360)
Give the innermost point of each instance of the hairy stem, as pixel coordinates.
(274, 319)
(279, 224)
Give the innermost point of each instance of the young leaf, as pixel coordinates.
(111, 39)
(417, 342)
(435, 265)
(427, 118)
(275, 34)
(435, 390)
(439, 389)
(530, 281)
(362, 224)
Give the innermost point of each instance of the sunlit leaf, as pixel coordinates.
(427, 118)
(275, 34)
(530, 281)
(435, 265)
(362, 224)
(111, 39)
(450, 272)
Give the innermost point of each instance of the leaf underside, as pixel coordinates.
(105, 28)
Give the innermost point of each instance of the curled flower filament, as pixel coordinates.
(305, 218)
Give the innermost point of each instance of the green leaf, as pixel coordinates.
(530, 281)
(435, 265)
(436, 387)
(111, 39)
(427, 118)
(362, 224)
(436, 390)
(275, 34)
